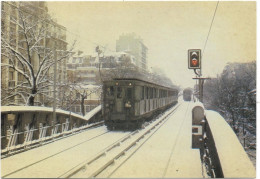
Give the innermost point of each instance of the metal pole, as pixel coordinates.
(202, 83)
(70, 105)
(54, 85)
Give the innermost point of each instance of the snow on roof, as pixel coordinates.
(93, 112)
(89, 86)
(198, 104)
(47, 109)
(107, 54)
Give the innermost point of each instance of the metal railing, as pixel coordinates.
(30, 137)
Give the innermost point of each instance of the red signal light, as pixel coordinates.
(194, 59)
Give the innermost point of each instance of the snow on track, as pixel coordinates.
(167, 153)
(52, 160)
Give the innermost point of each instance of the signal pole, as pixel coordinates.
(194, 62)
(201, 82)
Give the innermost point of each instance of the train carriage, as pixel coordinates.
(128, 102)
(187, 93)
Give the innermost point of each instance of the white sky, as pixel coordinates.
(168, 29)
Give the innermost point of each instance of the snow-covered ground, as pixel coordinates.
(52, 160)
(167, 153)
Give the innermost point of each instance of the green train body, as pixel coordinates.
(128, 102)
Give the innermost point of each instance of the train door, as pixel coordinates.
(120, 92)
(129, 101)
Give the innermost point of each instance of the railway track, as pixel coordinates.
(108, 160)
(60, 152)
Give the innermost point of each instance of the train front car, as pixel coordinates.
(118, 104)
(127, 103)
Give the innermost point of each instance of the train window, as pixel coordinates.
(110, 91)
(151, 94)
(147, 93)
(119, 92)
(129, 93)
(142, 93)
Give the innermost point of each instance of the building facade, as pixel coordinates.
(133, 45)
(87, 73)
(54, 39)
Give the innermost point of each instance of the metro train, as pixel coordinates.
(187, 93)
(128, 102)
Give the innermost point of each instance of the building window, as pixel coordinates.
(87, 108)
(11, 75)
(78, 109)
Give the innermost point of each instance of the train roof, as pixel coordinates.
(188, 89)
(141, 80)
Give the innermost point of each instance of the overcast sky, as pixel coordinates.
(168, 29)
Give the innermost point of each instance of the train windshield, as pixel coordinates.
(110, 91)
(129, 93)
(119, 92)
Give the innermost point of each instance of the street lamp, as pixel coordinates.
(99, 52)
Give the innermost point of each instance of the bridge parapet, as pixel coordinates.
(232, 157)
(221, 152)
(24, 126)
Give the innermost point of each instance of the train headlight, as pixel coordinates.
(128, 105)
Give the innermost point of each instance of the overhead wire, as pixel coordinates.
(212, 20)
(210, 29)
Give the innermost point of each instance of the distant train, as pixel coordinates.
(187, 93)
(128, 102)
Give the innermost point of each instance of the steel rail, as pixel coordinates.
(93, 166)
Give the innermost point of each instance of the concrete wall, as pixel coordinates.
(221, 152)
(22, 120)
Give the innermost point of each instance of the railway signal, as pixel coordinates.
(194, 58)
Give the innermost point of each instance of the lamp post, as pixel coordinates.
(99, 52)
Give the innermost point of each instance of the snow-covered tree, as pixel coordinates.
(34, 56)
(79, 91)
(233, 94)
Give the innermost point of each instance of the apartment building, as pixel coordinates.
(54, 40)
(133, 45)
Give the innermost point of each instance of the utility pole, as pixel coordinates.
(99, 52)
(201, 83)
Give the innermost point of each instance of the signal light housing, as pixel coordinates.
(194, 59)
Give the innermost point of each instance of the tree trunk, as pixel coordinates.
(82, 106)
(31, 98)
(31, 101)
